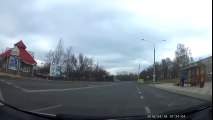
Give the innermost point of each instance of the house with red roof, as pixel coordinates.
(17, 60)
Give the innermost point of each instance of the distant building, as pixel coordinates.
(17, 60)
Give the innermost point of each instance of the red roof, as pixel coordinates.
(24, 55)
(5, 54)
(20, 44)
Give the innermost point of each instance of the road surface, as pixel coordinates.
(91, 98)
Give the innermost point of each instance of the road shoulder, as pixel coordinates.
(184, 93)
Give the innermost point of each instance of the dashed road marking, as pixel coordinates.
(148, 111)
(47, 108)
(137, 88)
(141, 97)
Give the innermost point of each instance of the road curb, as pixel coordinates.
(207, 98)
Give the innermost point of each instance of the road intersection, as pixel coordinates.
(91, 98)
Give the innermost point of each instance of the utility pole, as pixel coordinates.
(154, 42)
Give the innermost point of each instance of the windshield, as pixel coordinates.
(104, 57)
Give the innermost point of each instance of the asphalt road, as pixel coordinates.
(91, 98)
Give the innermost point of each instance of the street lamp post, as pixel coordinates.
(153, 42)
(154, 67)
(139, 70)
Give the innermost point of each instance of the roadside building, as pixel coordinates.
(195, 73)
(17, 60)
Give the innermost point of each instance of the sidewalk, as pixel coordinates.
(204, 93)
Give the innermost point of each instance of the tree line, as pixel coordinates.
(127, 77)
(167, 68)
(81, 67)
(76, 67)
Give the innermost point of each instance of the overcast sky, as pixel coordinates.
(110, 31)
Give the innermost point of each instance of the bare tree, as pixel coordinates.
(182, 55)
(182, 58)
(59, 52)
(68, 61)
(98, 72)
(56, 56)
(50, 57)
(76, 67)
(168, 68)
(81, 62)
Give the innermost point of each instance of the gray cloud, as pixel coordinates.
(97, 28)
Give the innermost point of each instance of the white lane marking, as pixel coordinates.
(148, 111)
(44, 113)
(12, 84)
(141, 97)
(17, 87)
(46, 108)
(138, 89)
(6, 82)
(9, 83)
(59, 90)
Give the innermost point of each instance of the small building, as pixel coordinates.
(194, 73)
(17, 60)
